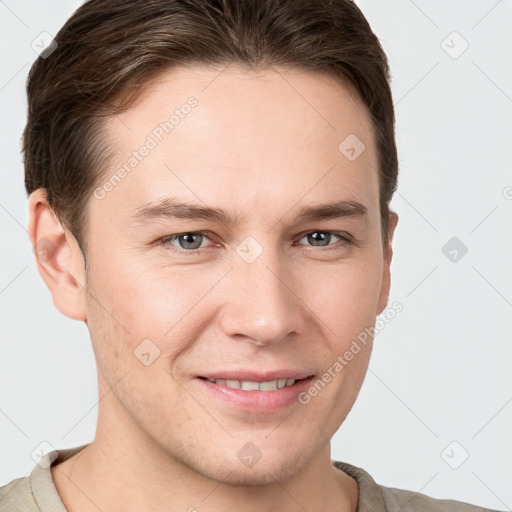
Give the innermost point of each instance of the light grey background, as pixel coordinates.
(439, 373)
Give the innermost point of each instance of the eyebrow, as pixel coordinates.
(172, 208)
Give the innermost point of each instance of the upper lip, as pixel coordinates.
(257, 376)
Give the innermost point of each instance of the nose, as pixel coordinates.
(262, 303)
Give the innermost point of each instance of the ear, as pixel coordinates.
(386, 268)
(58, 256)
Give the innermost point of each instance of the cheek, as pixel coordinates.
(347, 301)
(160, 303)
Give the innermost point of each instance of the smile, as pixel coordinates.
(248, 385)
(253, 392)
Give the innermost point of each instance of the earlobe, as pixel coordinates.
(386, 270)
(58, 257)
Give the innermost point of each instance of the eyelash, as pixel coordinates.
(345, 240)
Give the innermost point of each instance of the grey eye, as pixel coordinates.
(190, 240)
(319, 238)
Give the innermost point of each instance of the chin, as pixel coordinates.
(263, 472)
(238, 476)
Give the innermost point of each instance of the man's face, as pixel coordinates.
(266, 297)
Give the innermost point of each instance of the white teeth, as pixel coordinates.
(270, 385)
(250, 386)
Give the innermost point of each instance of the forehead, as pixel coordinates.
(230, 134)
(282, 98)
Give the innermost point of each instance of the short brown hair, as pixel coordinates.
(110, 49)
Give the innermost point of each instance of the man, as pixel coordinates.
(209, 192)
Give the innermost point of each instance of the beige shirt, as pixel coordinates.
(37, 492)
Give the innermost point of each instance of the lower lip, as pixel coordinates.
(256, 401)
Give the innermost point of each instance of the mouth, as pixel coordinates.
(248, 385)
(255, 393)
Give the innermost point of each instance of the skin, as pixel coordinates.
(262, 150)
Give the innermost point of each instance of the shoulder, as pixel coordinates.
(378, 498)
(409, 501)
(36, 491)
(16, 496)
